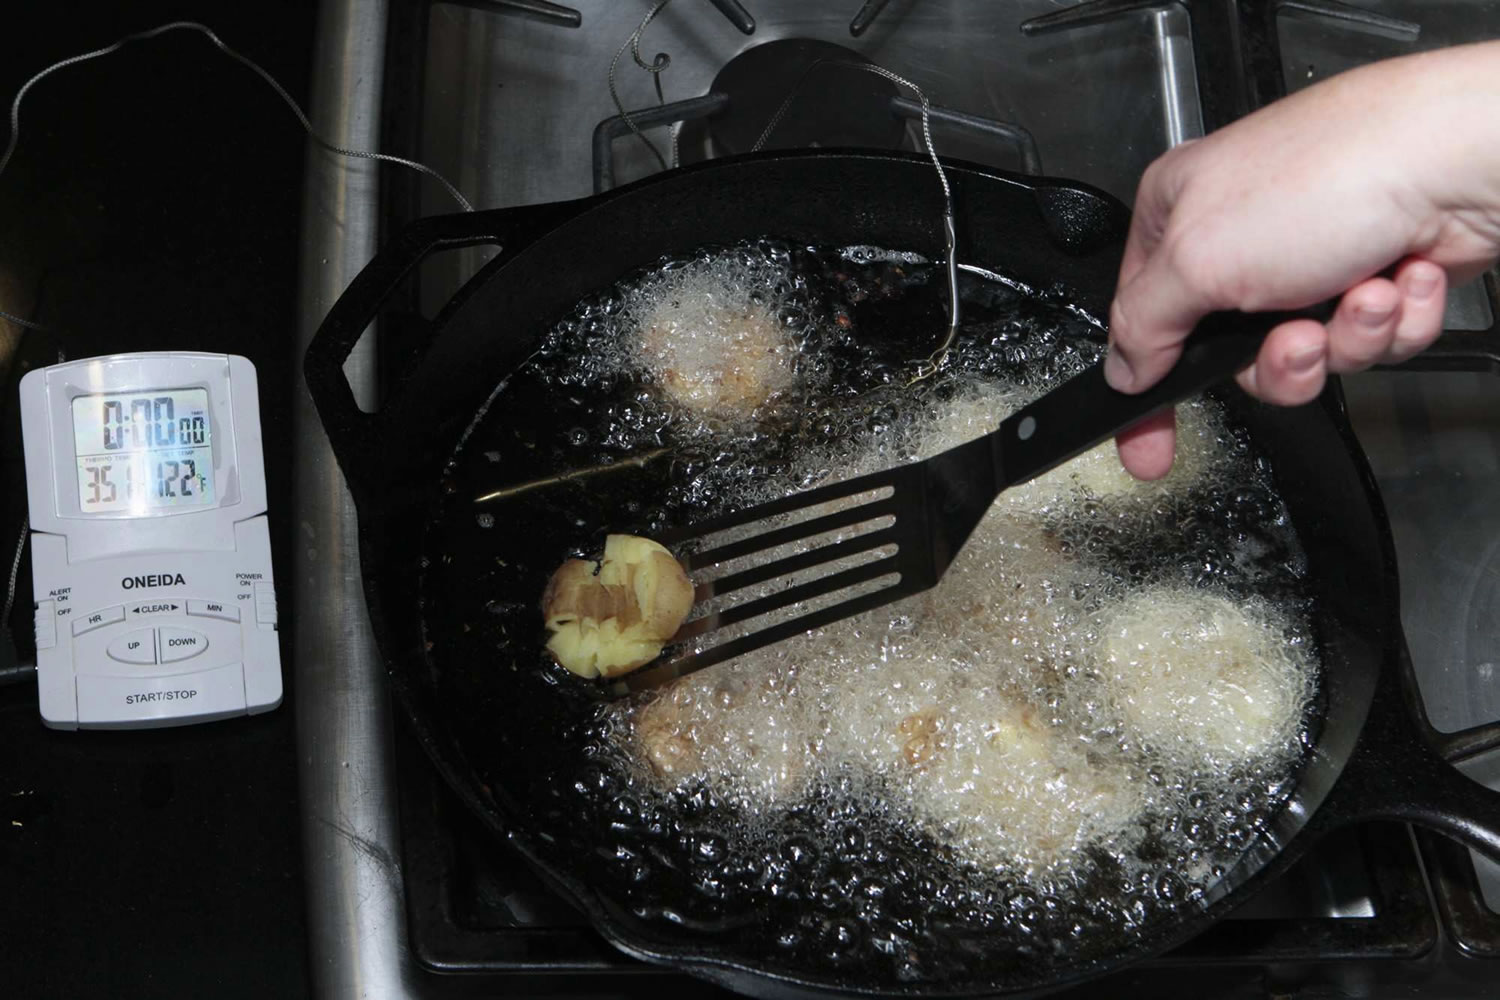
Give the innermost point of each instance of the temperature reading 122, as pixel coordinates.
(143, 451)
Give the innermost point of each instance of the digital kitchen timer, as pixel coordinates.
(150, 554)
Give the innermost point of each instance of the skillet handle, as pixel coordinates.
(1393, 773)
(351, 430)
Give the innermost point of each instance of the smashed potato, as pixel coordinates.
(610, 617)
(734, 731)
(720, 362)
(668, 734)
(1197, 673)
(1016, 791)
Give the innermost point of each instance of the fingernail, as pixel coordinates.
(1117, 370)
(1305, 359)
(1421, 285)
(1371, 317)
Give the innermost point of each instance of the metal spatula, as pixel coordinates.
(935, 503)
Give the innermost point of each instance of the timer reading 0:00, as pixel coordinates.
(152, 424)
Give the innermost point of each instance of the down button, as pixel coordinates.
(180, 643)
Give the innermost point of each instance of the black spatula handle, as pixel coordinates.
(1085, 411)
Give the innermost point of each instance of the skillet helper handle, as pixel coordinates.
(350, 429)
(1393, 773)
(1086, 410)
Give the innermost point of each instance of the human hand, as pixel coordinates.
(1312, 197)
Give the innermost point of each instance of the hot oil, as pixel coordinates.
(964, 786)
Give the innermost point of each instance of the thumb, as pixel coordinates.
(1152, 314)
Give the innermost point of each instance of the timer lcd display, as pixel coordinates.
(142, 452)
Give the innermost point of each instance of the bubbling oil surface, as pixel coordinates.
(969, 786)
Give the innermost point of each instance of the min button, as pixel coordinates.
(214, 609)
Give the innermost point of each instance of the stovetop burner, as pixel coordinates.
(826, 104)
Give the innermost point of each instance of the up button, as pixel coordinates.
(180, 643)
(134, 647)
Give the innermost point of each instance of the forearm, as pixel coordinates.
(1443, 124)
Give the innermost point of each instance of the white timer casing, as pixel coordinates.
(159, 617)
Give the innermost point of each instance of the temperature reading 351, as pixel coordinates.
(141, 452)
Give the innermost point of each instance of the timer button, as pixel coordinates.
(180, 643)
(214, 609)
(98, 619)
(134, 702)
(134, 647)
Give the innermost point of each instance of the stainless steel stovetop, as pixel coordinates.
(512, 103)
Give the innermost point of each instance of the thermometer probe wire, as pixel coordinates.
(15, 116)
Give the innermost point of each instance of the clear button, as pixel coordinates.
(163, 606)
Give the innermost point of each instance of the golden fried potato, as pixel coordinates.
(610, 617)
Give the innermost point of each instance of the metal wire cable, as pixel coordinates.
(936, 359)
(15, 114)
(655, 68)
(15, 562)
(28, 324)
(661, 102)
(15, 107)
(15, 572)
(878, 71)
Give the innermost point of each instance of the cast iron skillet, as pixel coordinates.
(1370, 760)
